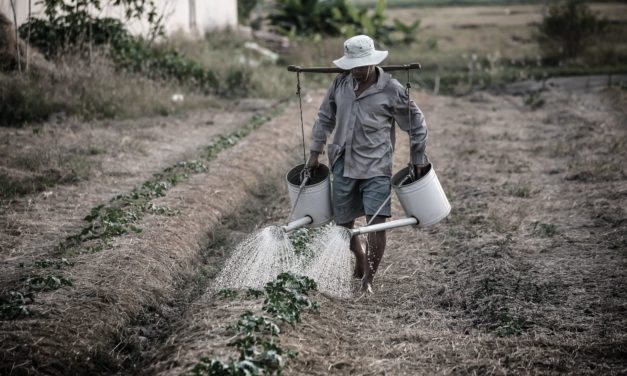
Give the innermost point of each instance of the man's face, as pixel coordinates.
(361, 74)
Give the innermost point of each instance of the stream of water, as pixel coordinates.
(266, 253)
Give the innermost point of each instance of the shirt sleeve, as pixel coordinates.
(418, 130)
(325, 121)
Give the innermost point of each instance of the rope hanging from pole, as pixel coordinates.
(407, 89)
(302, 125)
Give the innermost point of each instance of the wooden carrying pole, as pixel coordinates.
(387, 68)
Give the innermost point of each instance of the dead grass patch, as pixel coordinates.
(141, 270)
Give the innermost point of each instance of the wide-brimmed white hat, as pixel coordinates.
(358, 52)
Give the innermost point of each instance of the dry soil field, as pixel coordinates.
(110, 270)
(526, 276)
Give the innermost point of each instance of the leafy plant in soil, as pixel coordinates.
(257, 335)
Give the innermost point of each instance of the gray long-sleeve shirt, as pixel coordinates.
(364, 126)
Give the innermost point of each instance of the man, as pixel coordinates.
(361, 106)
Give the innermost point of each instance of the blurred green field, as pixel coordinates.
(462, 47)
(445, 3)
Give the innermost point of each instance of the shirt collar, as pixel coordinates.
(382, 80)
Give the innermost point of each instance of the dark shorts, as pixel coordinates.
(353, 198)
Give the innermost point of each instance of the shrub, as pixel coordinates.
(408, 30)
(21, 101)
(569, 26)
(330, 17)
(79, 32)
(244, 9)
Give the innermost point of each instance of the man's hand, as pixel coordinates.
(420, 170)
(312, 161)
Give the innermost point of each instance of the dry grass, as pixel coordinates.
(143, 270)
(510, 284)
(89, 89)
(527, 276)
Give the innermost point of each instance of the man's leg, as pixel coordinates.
(346, 207)
(375, 250)
(360, 256)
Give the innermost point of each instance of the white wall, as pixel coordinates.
(209, 14)
(21, 9)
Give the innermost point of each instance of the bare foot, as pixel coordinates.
(360, 260)
(358, 273)
(366, 286)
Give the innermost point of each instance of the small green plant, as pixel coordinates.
(48, 263)
(13, 304)
(286, 296)
(227, 293)
(546, 230)
(254, 293)
(47, 283)
(506, 325)
(226, 141)
(121, 214)
(301, 238)
(256, 342)
(249, 323)
(520, 191)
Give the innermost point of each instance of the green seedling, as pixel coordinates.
(257, 342)
(546, 230)
(249, 323)
(47, 283)
(227, 293)
(254, 293)
(13, 304)
(520, 191)
(119, 216)
(48, 263)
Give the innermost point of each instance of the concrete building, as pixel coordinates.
(193, 17)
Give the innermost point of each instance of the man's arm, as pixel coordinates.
(417, 131)
(323, 127)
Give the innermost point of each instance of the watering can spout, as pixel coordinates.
(410, 221)
(297, 224)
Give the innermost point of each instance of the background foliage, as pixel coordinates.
(570, 26)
